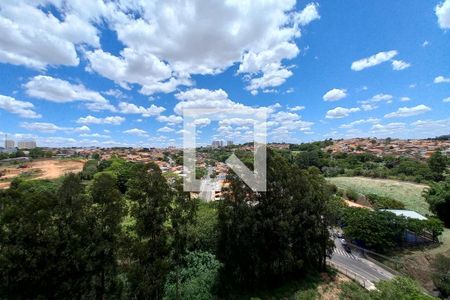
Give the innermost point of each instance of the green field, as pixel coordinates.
(408, 193)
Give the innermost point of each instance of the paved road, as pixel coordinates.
(208, 186)
(356, 264)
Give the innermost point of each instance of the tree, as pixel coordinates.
(438, 197)
(196, 280)
(437, 163)
(399, 288)
(151, 197)
(108, 212)
(441, 277)
(266, 237)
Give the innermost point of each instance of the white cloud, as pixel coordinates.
(443, 13)
(367, 107)
(446, 99)
(42, 127)
(136, 132)
(202, 122)
(340, 112)
(173, 119)
(398, 65)
(335, 94)
(95, 135)
(360, 122)
(388, 129)
(36, 39)
(83, 128)
(21, 108)
(441, 79)
(165, 129)
(297, 108)
(308, 14)
(113, 120)
(379, 98)
(373, 60)
(130, 108)
(409, 111)
(425, 43)
(405, 99)
(61, 91)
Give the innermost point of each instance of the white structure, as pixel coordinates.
(406, 213)
(26, 145)
(9, 144)
(217, 144)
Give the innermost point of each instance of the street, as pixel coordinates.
(356, 264)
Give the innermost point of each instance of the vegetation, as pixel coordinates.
(438, 197)
(380, 202)
(382, 231)
(407, 193)
(399, 288)
(267, 237)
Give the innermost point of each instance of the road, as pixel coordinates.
(355, 264)
(208, 186)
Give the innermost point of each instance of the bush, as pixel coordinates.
(352, 195)
(379, 202)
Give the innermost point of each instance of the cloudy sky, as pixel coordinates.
(82, 73)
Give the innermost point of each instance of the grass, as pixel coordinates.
(410, 194)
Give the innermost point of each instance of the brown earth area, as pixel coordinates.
(40, 169)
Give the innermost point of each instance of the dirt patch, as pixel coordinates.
(332, 289)
(44, 169)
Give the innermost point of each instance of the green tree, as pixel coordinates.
(437, 163)
(265, 237)
(438, 197)
(151, 197)
(197, 279)
(441, 277)
(107, 211)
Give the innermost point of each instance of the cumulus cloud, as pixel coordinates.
(409, 111)
(340, 112)
(42, 127)
(21, 108)
(36, 39)
(61, 91)
(166, 129)
(399, 65)
(446, 99)
(360, 122)
(130, 108)
(136, 132)
(373, 60)
(172, 119)
(388, 129)
(405, 99)
(441, 79)
(112, 120)
(297, 108)
(335, 94)
(443, 14)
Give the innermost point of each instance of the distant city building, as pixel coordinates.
(230, 143)
(9, 144)
(217, 144)
(26, 145)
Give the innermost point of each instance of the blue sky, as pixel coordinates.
(77, 73)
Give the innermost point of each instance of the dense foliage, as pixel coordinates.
(438, 197)
(267, 237)
(382, 230)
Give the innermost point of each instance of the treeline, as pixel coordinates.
(119, 230)
(369, 165)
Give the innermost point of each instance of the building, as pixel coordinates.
(9, 144)
(217, 144)
(26, 145)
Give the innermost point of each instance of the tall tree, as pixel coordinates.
(438, 197)
(108, 211)
(151, 197)
(437, 164)
(267, 236)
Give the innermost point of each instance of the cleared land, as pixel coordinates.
(39, 169)
(408, 193)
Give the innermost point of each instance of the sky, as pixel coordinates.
(122, 73)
